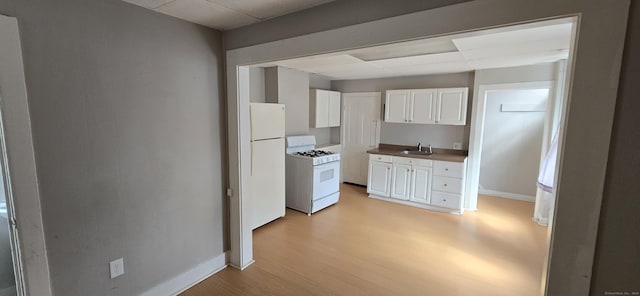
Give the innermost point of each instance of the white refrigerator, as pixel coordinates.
(267, 182)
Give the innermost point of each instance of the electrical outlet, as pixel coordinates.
(457, 145)
(116, 267)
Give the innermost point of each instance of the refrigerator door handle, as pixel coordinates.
(251, 162)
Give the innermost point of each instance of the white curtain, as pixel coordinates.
(545, 197)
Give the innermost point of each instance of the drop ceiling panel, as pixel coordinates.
(321, 63)
(226, 14)
(205, 13)
(151, 4)
(547, 36)
(440, 68)
(348, 68)
(495, 48)
(519, 59)
(264, 9)
(408, 49)
(529, 44)
(437, 58)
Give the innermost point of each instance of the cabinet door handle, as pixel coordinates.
(445, 184)
(446, 169)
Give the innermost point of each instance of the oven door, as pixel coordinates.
(326, 179)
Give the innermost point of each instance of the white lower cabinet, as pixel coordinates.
(448, 184)
(445, 200)
(434, 185)
(400, 181)
(379, 182)
(421, 188)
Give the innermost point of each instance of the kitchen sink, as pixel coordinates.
(415, 152)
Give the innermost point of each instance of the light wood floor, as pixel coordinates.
(363, 246)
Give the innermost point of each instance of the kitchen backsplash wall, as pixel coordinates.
(440, 136)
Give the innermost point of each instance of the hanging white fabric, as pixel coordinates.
(548, 168)
(545, 198)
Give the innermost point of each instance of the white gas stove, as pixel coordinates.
(313, 176)
(318, 156)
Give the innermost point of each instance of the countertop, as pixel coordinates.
(438, 153)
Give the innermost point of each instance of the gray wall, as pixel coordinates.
(617, 259)
(128, 128)
(539, 72)
(441, 136)
(256, 85)
(290, 87)
(512, 143)
(332, 15)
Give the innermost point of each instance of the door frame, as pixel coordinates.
(378, 96)
(19, 163)
(14, 241)
(582, 173)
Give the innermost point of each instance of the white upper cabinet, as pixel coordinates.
(334, 108)
(427, 106)
(452, 106)
(423, 106)
(324, 108)
(397, 106)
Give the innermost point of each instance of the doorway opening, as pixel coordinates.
(11, 277)
(370, 128)
(564, 232)
(518, 123)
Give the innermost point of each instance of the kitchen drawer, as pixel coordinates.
(380, 157)
(447, 184)
(448, 169)
(445, 200)
(413, 161)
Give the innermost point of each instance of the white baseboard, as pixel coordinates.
(541, 221)
(243, 267)
(189, 278)
(508, 195)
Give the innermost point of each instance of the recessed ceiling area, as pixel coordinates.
(519, 45)
(226, 14)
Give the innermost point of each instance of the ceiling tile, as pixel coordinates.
(151, 4)
(321, 63)
(206, 13)
(265, 9)
(408, 49)
(355, 70)
(518, 59)
(437, 58)
(452, 67)
(494, 48)
(550, 40)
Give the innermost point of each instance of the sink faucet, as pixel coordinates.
(419, 146)
(429, 150)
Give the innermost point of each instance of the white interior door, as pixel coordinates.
(360, 132)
